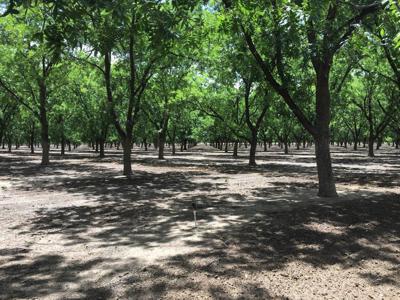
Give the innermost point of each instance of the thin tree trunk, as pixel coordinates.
(62, 145)
(44, 124)
(9, 144)
(101, 144)
(32, 141)
(235, 149)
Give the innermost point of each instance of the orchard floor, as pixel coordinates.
(79, 230)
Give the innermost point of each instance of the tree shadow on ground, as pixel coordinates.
(260, 233)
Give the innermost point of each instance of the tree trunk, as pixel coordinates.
(161, 143)
(62, 145)
(371, 145)
(32, 141)
(9, 144)
(44, 124)
(127, 147)
(286, 147)
(235, 149)
(253, 149)
(162, 135)
(326, 179)
(355, 144)
(101, 144)
(173, 140)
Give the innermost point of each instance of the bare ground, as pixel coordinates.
(77, 229)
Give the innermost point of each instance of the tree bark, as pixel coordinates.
(32, 140)
(286, 147)
(62, 145)
(44, 123)
(324, 166)
(253, 148)
(326, 179)
(371, 145)
(9, 145)
(235, 149)
(101, 144)
(127, 148)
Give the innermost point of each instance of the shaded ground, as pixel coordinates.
(77, 229)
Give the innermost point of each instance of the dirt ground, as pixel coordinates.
(79, 230)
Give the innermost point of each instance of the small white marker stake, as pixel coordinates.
(194, 205)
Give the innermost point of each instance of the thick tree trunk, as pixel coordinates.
(371, 145)
(286, 147)
(173, 148)
(253, 149)
(226, 147)
(326, 179)
(127, 147)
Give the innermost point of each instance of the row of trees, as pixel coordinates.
(215, 71)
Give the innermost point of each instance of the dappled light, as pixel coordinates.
(78, 229)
